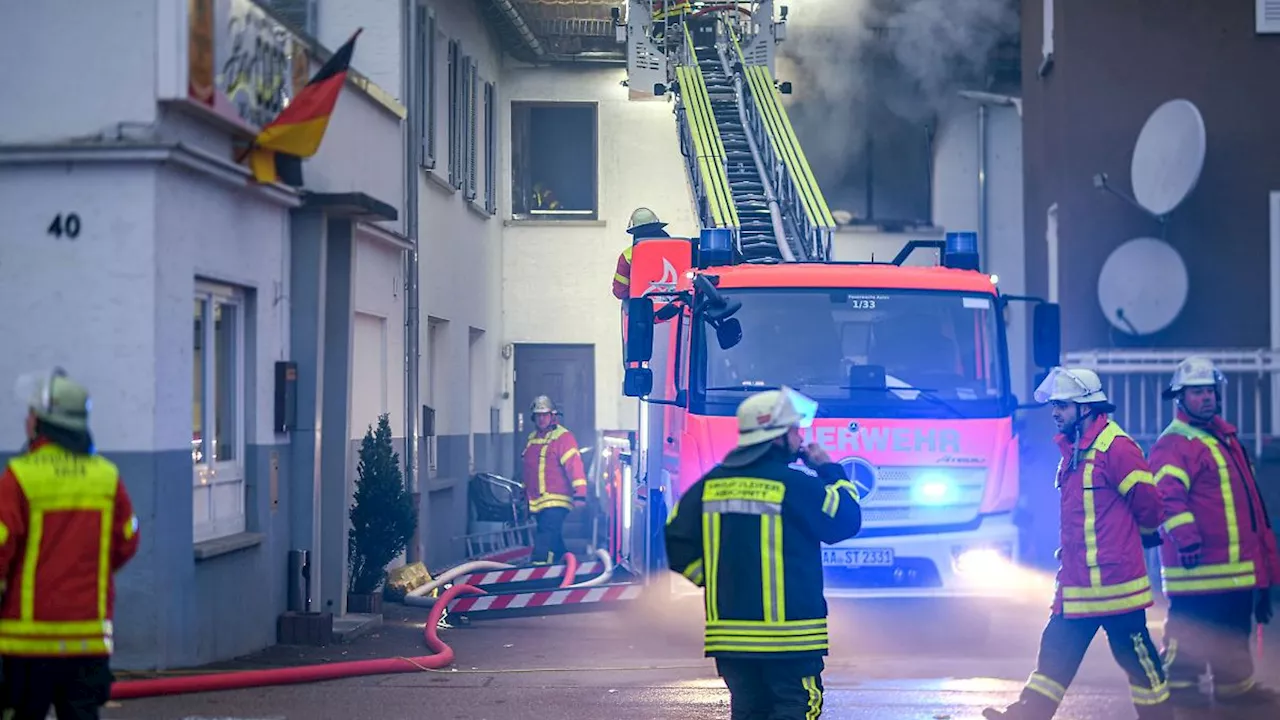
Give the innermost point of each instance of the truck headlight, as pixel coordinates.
(987, 562)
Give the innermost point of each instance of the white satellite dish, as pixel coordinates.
(1143, 286)
(1168, 157)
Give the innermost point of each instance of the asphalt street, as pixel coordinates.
(890, 661)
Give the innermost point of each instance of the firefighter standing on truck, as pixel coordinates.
(1221, 561)
(1111, 509)
(644, 225)
(554, 479)
(750, 533)
(65, 519)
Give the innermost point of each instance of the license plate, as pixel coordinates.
(857, 557)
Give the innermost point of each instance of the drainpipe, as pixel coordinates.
(984, 99)
(413, 136)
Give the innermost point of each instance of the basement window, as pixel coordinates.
(554, 150)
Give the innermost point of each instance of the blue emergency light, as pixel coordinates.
(715, 247)
(961, 250)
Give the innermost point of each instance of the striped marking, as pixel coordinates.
(527, 574)
(577, 596)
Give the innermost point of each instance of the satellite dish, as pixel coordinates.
(1168, 157)
(1143, 286)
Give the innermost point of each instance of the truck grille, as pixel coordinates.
(894, 501)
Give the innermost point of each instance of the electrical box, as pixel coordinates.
(286, 400)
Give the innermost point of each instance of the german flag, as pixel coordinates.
(298, 129)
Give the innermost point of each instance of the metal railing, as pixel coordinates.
(1134, 379)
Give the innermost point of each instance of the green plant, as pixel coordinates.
(383, 517)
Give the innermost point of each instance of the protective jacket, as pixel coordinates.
(1212, 500)
(752, 535)
(553, 472)
(1108, 498)
(622, 272)
(66, 527)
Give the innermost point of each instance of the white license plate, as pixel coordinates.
(857, 557)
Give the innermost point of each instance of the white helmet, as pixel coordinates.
(770, 414)
(1195, 371)
(1077, 385)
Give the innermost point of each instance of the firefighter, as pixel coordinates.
(760, 559)
(65, 518)
(554, 479)
(1111, 509)
(644, 224)
(1221, 560)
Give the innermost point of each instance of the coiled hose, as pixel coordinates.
(236, 680)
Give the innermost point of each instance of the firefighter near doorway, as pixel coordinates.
(554, 479)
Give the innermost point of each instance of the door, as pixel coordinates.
(565, 373)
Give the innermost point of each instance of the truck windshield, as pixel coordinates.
(945, 346)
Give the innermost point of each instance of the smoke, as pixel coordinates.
(857, 64)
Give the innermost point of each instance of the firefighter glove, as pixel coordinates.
(1151, 540)
(1263, 611)
(1189, 556)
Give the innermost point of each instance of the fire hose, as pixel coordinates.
(418, 596)
(236, 680)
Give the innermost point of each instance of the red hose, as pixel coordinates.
(305, 673)
(570, 569)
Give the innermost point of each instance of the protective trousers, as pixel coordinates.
(75, 687)
(548, 537)
(1062, 649)
(1210, 630)
(768, 689)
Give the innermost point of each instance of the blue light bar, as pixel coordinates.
(962, 242)
(715, 247)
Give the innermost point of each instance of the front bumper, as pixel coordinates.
(928, 565)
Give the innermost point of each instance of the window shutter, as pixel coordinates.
(471, 130)
(1267, 17)
(490, 149)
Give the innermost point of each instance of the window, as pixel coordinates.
(469, 129)
(553, 161)
(427, 85)
(490, 148)
(217, 422)
(455, 115)
(301, 14)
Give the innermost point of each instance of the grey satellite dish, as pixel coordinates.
(1168, 157)
(1143, 286)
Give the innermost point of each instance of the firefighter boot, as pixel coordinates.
(1163, 711)
(1257, 699)
(1025, 709)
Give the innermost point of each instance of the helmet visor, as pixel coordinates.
(30, 388)
(805, 407)
(1060, 384)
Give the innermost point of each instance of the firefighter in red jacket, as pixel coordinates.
(65, 519)
(644, 225)
(1221, 561)
(554, 480)
(1109, 503)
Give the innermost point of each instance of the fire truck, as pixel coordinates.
(909, 365)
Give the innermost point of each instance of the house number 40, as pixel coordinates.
(68, 225)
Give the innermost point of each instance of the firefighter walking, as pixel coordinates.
(554, 479)
(1221, 561)
(1109, 502)
(65, 519)
(750, 533)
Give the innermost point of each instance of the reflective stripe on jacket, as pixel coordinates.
(1108, 498)
(553, 473)
(66, 526)
(622, 275)
(751, 536)
(1212, 499)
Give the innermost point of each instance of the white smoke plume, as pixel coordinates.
(850, 61)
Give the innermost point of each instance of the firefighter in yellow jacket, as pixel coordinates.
(554, 479)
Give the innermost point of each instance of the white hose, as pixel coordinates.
(600, 579)
(455, 572)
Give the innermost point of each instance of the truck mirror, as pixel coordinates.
(639, 330)
(1046, 332)
(637, 382)
(728, 333)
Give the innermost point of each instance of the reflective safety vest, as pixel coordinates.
(1108, 499)
(553, 472)
(66, 527)
(1212, 500)
(622, 275)
(752, 537)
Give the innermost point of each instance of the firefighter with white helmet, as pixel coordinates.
(644, 224)
(554, 479)
(1110, 506)
(1221, 560)
(766, 618)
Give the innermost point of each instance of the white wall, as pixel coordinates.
(96, 63)
(379, 48)
(85, 304)
(460, 248)
(955, 206)
(377, 370)
(557, 275)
